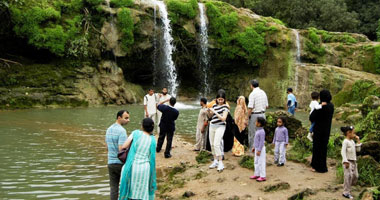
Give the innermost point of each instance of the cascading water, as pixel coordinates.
(113, 29)
(168, 48)
(155, 46)
(298, 55)
(298, 58)
(204, 57)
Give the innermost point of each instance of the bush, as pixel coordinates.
(376, 59)
(369, 171)
(121, 3)
(314, 45)
(203, 157)
(370, 126)
(126, 26)
(247, 162)
(378, 31)
(254, 45)
(359, 91)
(182, 8)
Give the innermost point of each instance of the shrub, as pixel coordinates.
(121, 3)
(126, 26)
(361, 89)
(369, 171)
(182, 8)
(314, 45)
(253, 43)
(370, 126)
(376, 59)
(378, 31)
(203, 157)
(247, 162)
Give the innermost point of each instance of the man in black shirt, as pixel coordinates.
(167, 125)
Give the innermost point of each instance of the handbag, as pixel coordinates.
(123, 153)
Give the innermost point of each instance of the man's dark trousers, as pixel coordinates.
(169, 139)
(114, 171)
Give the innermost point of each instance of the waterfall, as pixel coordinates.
(298, 59)
(204, 57)
(113, 29)
(155, 46)
(298, 55)
(168, 48)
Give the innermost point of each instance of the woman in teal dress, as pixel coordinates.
(138, 176)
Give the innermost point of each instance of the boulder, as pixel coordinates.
(370, 103)
(370, 193)
(371, 148)
(292, 124)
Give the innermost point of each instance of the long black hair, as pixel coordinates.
(221, 94)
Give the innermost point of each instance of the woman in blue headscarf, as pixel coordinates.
(138, 176)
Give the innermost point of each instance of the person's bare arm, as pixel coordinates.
(126, 144)
(146, 111)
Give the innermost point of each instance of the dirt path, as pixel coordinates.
(234, 182)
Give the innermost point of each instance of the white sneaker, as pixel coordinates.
(220, 166)
(214, 164)
(310, 136)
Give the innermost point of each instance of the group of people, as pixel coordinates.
(136, 178)
(215, 126)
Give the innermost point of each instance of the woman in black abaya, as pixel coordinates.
(322, 118)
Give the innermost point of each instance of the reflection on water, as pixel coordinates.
(60, 153)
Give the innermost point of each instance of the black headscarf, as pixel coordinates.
(325, 96)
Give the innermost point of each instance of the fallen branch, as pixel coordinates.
(6, 61)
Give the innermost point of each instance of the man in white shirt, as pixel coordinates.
(257, 105)
(163, 99)
(150, 105)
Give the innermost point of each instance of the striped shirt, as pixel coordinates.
(116, 135)
(258, 100)
(219, 109)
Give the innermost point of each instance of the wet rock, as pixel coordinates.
(302, 194)
(276, 187)
(371, 148)
(188, 194)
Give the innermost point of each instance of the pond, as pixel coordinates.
(60, 153)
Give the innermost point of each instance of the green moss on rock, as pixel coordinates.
(126, 26)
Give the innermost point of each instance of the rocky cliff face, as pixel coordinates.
(242, 46)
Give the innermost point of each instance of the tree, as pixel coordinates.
(369, 14)
(378, 31)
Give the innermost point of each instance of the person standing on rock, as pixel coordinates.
(257, 105)
(163, 97)
(116, 135)
(201, 126)
(167, 125)
(292, 102)
(150, 105)
(322, 127)
(218, 114)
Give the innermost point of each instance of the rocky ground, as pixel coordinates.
(182, 177)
